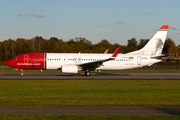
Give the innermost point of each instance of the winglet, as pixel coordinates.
(106, 51)
(115, 53)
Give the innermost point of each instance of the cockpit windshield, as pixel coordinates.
(15, 58)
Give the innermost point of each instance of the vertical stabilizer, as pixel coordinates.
(155, 45)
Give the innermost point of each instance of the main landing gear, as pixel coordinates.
(87, 73)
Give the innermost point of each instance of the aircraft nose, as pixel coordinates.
(8, 63)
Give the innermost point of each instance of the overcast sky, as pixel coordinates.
(114, 20)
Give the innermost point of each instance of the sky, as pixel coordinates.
(114, 20)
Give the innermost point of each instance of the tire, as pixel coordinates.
(87, 73)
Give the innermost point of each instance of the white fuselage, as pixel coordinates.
(121, 62)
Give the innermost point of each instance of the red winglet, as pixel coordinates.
(164, 27)
(106, 51)
(116, 52)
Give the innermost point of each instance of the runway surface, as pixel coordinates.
(94, 76)
(90, 110)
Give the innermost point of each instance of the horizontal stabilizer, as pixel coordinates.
(159, 57)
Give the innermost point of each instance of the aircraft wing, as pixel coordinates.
(95, 64)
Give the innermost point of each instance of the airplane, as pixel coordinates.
(73, 62)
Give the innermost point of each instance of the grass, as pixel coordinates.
(89, 93)
(89, 117)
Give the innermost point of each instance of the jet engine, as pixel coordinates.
(69, 69)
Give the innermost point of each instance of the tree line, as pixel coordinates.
(10, 48)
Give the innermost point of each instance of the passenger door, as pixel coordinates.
(139, 60)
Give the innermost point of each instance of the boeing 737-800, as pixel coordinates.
(74, 62)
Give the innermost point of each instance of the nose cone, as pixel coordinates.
(8, 63)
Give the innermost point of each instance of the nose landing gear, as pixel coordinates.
(17, 69)
(21, 74)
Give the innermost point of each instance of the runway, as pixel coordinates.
(94, 76)
(91, 110)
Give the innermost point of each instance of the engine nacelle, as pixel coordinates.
(69, 69)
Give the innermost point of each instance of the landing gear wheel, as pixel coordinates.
(87, 73)
(21, 74)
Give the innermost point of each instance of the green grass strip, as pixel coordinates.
(89, 93)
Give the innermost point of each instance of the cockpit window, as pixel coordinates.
(15, 58)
